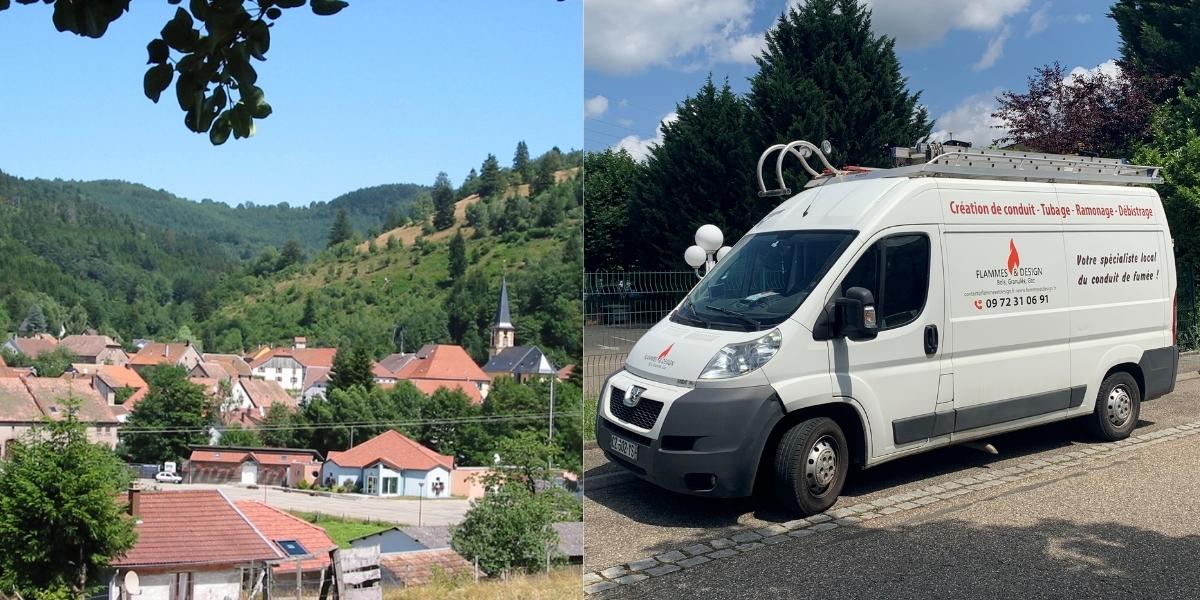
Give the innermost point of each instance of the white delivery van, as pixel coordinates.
(882, 313)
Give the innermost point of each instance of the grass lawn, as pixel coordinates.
(340, 530)
(566, 582)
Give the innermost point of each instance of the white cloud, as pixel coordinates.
(917, 24)
(639, 147)
(629, 36)
(993, 52)
(1039, 20)
(1108, 67)
(744, 49)
(971, 120)
(595, 107)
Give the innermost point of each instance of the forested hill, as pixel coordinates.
(84, 265)
(246, 229)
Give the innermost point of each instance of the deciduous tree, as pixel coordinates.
(175, 415)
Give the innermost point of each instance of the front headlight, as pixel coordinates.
(739, 359)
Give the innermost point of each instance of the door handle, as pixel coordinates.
(931, 340)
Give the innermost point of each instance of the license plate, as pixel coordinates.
(625, 448)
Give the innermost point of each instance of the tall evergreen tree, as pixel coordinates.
(1158, 40)
(458, 256)
(702, 172)
(490, 179)
(610, 176)
(470, 184)
(521, 162)
(35, 321)
(290, 255)
(544, 179)
(443, 202)
(342, 230)
(825, 76)
(352, 366)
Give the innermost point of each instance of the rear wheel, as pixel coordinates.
(811, 463)
(1118, 405)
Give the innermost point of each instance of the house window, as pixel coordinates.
(182, 586)
(391, 485)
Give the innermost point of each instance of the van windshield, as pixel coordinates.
(763, 280)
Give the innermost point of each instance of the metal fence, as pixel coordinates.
(619, 306)
(1187, 315)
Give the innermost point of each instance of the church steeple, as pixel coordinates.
(503, 332)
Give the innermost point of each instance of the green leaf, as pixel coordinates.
(221, 129)
(158, 51)
(199, 9)
(4, 4)
(289, 3)
(178, 32)
(274, 13)
(156, 80)
(326, 8)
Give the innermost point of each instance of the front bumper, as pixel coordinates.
(708, 443)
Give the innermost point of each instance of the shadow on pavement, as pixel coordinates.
(651, 505)
(1053, 558)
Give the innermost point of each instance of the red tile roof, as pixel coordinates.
(443, 361)
(50, 394)
(419, 567)
(309, 357)
(429, 386)
(114, 376)
(2, 363)
(194, 527)
(88, 345)
(15, 372)
(16, 403)
(263, 394)
(395, 450)
(33, 346)
(157, 353)
(264, 456)
(232, 363)
(277, 525)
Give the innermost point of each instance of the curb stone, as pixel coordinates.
(699, 553)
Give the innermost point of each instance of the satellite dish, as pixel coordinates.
(133, 583)
(826, 147)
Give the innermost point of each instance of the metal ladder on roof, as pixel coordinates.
(944, 160)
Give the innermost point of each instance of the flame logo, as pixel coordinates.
(666, 352)
(1014, 259)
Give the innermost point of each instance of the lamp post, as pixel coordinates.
(420, 497)
(707, 251)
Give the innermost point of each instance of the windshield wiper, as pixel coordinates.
(734, 313)
(696, 316)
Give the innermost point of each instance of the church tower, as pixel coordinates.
(503, 332)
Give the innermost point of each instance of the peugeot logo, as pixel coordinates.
(633, 396)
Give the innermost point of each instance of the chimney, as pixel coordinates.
(135, 500)
(300, 343)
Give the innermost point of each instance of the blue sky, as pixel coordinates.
(643, 56)
(382, 92)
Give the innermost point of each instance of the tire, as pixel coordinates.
(811, 463)
(1118, 404)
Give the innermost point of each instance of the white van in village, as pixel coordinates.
(882, 313)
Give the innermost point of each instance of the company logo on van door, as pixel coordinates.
(1012, 268)
(661, 361)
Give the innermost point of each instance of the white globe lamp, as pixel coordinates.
(695, 256)
(709, 238)
(722, 252)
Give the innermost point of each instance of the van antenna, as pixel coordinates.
(802, 150)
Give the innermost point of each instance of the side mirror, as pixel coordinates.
(856, 319)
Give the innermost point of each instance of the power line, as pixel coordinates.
(359, 424)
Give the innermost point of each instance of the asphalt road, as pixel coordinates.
(1099, 533)
(400, 511)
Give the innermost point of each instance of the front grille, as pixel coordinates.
(644, 415)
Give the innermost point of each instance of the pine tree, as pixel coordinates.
(341, 230)
(825, 76)
(702, 172)
(1158, 40)
(490, 177)
(352, 366)
(470, 184)
(290, 255)
(35, 321)
(443, 202)
(521, 161)
(309, 316)
(544, 179)
(458, 256)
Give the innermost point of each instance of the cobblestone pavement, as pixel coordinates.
(679, 544)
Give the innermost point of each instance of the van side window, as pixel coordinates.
(896, 271)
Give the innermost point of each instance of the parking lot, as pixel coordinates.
(1053, 507)
(404, 511)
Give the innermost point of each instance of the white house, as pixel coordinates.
(390, 464)
(290, 366)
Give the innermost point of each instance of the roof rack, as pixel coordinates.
(945, 160)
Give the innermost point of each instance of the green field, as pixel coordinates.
(342, 530)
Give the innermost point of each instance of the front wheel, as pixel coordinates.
(1118, 405)
(811, 463)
